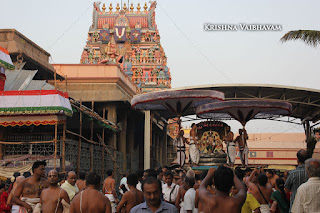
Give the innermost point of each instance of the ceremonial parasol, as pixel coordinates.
(175, 103)
(243, 110)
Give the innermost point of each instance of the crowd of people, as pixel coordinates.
(217, 190)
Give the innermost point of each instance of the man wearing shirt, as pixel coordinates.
(307, 196)
(189, 197)
(170, 189)
(297, 176)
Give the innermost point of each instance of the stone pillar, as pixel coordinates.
(130, 138)
(123, 141)
(164, 148)
(147, 139)
(112, 116)
(157, 145)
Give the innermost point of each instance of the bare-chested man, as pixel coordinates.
(54, 199)
(14, 208)
(231, 147)
(262, 192)
(109, 190)
(272, 177)
(90, 199)
(30, 188)
(81, 182)
(223, 179)
(241, 139)
(132, 197)
(198, 204)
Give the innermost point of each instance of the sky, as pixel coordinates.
(195, 56)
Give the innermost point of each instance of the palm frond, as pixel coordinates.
(309, 37)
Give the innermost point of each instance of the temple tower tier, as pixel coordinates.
(129, 38)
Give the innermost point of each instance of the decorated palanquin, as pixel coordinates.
(131, 39)
(210, 136)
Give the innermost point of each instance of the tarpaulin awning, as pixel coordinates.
(6, 171)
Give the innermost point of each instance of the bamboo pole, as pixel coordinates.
(102, 142)
(91, 138)
(79, 143)
(55, 145)
(94, 115)
(80, 136)
(63, 165)
(66, 84)
(32, 142)
(55, 79)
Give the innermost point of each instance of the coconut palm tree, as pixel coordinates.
(310, 37)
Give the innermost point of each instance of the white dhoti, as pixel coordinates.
(264, 208)
(15, 209)
(181, 208)
(231, 151)
(194, 152)
(112, 201)
(181, 157)
(244, 152)
(31, 201)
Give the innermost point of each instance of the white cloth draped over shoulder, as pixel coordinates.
(70, 189)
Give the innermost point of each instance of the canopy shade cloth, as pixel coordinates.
(243, 110)
(34, 102)
(21, 120)
(175, 103)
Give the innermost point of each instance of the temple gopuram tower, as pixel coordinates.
(131, 39)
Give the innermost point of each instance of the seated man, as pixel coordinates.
(223, 180)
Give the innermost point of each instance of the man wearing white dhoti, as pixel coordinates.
(241, 139)
(179, 142)
(193, 149)
(30, 188)
(231, 147)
